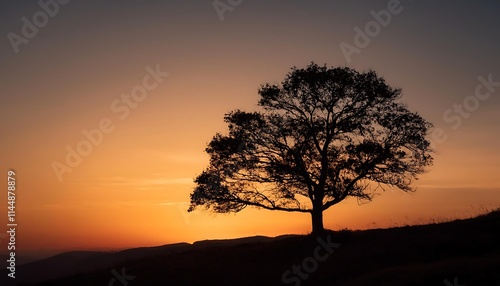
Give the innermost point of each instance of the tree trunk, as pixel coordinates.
(317, 221)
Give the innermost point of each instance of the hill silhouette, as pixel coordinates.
(463, 251)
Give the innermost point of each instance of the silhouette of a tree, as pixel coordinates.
(323, 135)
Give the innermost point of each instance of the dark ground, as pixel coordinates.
(463, 252)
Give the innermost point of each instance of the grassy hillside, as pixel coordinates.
(465, 250)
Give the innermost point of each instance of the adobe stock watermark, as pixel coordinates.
(30, 28)
(455, 282)
(460, 111)
(122, 107)
(484, 89)
(372, 29)
(223, 6)
(184, 212)
(310, 263)
(123, 278)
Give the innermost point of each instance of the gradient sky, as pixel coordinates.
(133, 188)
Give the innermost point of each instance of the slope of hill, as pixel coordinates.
(462, 252)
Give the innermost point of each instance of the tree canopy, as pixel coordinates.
(322, 135)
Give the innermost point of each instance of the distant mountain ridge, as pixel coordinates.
(411, 255)
(75, 262)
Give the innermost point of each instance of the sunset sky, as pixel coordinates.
(75, 74)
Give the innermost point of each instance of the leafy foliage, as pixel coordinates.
(324, 134)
